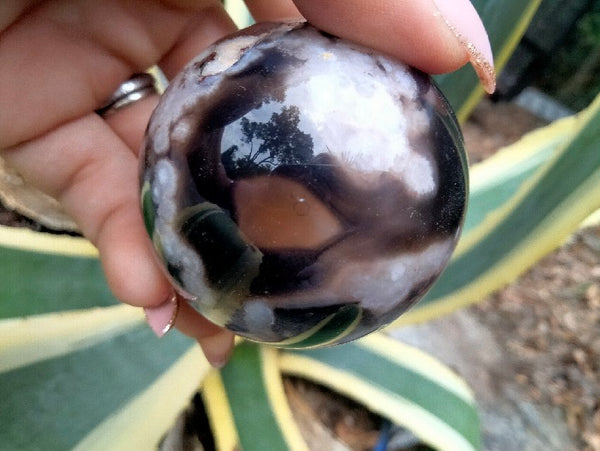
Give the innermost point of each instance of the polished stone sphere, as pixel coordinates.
(302, 190)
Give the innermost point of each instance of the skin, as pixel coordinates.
(61, 59)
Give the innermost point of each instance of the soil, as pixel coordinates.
(543, 354)
(549, 321)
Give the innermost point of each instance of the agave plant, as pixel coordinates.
(78, 370)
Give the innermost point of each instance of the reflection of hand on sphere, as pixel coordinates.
(301, 189)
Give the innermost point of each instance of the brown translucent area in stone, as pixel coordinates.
(277, 213)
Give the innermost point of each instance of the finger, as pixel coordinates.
(63, 58)
(209, 26)
(217, 348)
(418, 32)
(272, 10)
(217, 343)
(129, 122)
(192, 324)
(94, 175)
(213, 23)
(10, 11)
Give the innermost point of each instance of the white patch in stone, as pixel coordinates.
(258, 315)
(357, 114)
(160, 138)
(228, 54)
(163, 186)
(190, 266)
(383, 284)
(176, 251)
(397, 271)
(413, 166)
(181, 131)
(173, 104)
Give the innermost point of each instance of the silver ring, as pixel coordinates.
(136, 88)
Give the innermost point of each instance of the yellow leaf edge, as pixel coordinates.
(24, 341)
(219, 412)
(143, 422)
(423, 424)
(29, 240)
(221, 417)
(521, 153)
(279, 402)
(419, 362)
(505, 161)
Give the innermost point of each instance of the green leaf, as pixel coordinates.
(505, 21)
(55, 403)
(71, 359)
(398, 382)
(31, 339)
(44, 273)
(495, 180)
(252, 391)
(532, 215)
(146, 418)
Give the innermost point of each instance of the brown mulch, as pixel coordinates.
(549, 321)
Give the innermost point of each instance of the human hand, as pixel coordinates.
(61, 59)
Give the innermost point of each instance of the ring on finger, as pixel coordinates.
(138, 87)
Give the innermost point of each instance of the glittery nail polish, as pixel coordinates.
(464, 22)
(162, 317)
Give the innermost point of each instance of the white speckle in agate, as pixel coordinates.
(304, 190)
(172, 246)
(229, 54)
(378, 285)
(258, 315)
(165, 178)
(181, 131)
(168, 116)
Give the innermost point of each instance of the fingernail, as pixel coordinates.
(217, 348)
(162, 317)
(464, 22)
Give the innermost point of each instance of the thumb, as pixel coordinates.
(435, 36)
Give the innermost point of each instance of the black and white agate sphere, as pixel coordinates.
(300, 189)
